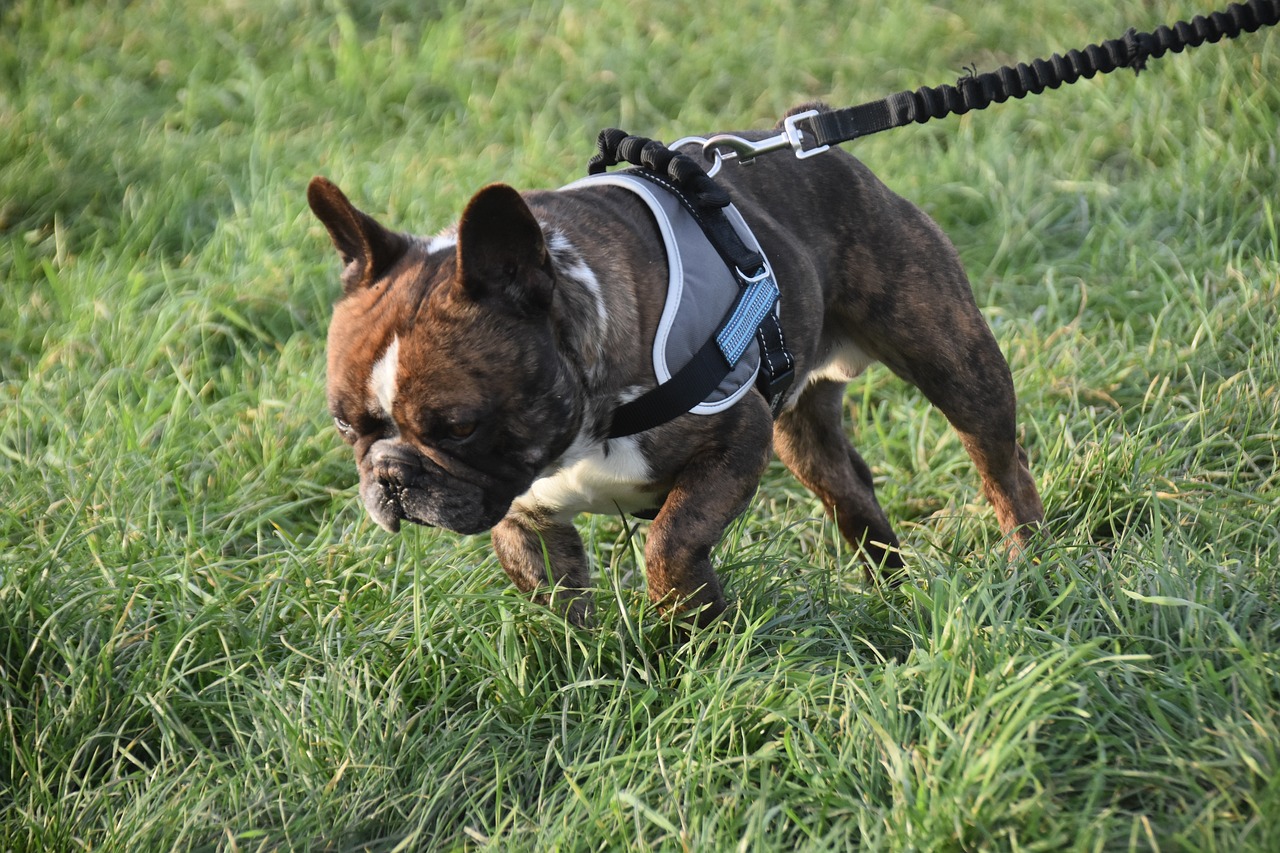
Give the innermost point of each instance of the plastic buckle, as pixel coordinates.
(775, 388)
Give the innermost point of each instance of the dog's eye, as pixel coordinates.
(462, 430)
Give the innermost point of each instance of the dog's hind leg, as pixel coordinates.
(810, 440)
(978, 399)
(964, 374)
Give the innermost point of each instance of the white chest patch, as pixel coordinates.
(591, 480)
(382, 379)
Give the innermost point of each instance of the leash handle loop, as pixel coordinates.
(614, 146)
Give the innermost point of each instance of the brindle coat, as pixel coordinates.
(475, 373)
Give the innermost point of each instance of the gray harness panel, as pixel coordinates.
(700, 289)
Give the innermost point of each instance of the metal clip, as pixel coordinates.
(746, 150)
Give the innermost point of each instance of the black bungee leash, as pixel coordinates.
(812, 132)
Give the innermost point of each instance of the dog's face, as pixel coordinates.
(442, 368)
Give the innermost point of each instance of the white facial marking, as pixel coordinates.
(382, 379)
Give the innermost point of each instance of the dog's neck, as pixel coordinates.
(603, 318)
(580, 313)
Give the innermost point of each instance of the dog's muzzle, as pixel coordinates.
(389, 470)
(397, 483)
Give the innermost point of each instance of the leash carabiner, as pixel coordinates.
(746, 150)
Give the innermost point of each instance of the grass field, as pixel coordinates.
(205, 645)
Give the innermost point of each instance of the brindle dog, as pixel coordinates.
(475, 373)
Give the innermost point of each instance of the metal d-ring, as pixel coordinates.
(702, 144)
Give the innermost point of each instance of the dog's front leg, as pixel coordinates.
(713, 489)
(538, 553)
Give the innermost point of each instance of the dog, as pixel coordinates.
(475, 373)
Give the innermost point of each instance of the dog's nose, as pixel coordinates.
(393, 467)
(391, 460)
(390, 476)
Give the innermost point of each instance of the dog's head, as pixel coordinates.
(443, 373)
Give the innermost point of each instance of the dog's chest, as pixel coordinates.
(595, 476)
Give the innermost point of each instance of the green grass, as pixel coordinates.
(204, 644)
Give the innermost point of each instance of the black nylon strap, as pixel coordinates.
(836, 126)
(688, 387)
(976, 92)
(713, 223)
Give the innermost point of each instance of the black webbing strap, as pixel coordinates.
(685, 178)
(705, 200)
(976, 92)
(686, 388)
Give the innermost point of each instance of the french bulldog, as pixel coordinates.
(475, 373)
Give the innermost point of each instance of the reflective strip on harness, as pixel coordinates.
(740, 330)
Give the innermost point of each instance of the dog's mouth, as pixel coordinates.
(384, 507)
(399, 484)
(393, 523)
(468, 514)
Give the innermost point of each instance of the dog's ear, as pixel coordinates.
(502, 253)
(367, 249)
